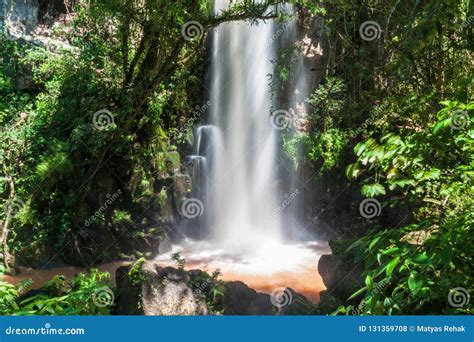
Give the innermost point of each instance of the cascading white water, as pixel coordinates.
(242, 146)
(235, 169)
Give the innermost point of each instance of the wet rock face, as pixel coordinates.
(149, 289)
(294, 304)
(21, 21)
(161, 291)
(19, 17)
(239, 299)
(341, 277)
(22, 17)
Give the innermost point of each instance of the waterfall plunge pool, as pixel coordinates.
(270, 267)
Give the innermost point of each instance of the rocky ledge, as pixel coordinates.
(146, 288)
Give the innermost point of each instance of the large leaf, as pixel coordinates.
(353, 171)
(357, 293)
(391, 251)
(446, 255)
(440, 125)
(354, 244)
(431, 174)
(391, 266)
(414, 283)
(369, 281)
(372, 190)
(361, 147)
(374, 242)
(401, 183)
(421, 259)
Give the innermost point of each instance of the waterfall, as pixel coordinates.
(243, 226)
(239, 142)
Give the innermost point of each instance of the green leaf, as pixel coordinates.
(372, 190)
(374, 242)
(446, 255)
(447, 103)
(401, 183)
(431, 174)
(421, 259)
(357, 293)
(388, 302)
(379, 257)
(414, 283)
(353, 245)
(369, 281)
(391, 266)
(353, 171)
(359, 148)
(391, 251)
(440, 125)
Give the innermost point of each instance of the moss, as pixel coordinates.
(137, 277)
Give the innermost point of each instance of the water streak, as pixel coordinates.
(241, 144)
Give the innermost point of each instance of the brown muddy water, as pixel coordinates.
(272, 270)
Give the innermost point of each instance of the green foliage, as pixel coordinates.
(421, 263)
(322, 143)
(432, 170)
(59, 296)
(8, 296)
(378, 98)
(136, 275)
(180, 262)
(434, 165)
(327, 101)
(125, 57)
(323, 149)
(209, 289)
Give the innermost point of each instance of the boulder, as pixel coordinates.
(19, 16)
(148, 289)
(295, 304)
(239, 299)
(341, 277)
